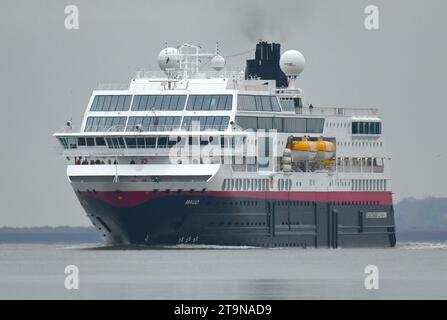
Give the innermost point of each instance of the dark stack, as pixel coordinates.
(266, 64)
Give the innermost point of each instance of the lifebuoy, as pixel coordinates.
(144, 161)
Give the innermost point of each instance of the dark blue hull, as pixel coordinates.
(241, 221)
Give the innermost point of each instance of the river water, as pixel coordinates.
(36, 271)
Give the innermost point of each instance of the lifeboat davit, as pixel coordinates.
(303, 150)
(325, 150)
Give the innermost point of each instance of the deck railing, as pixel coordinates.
(334, 111)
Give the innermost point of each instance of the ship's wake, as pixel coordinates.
(422, 245)
(159, 247)
(95, 246)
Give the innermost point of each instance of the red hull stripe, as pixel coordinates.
(130, 199)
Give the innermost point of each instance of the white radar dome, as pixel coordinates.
(217, 63)
(292, 63)
(169, 58)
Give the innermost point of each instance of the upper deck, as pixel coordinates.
(184, 99)
(160, 107)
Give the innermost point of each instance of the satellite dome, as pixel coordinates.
(169, 58)
(292, 63)
(217, 62)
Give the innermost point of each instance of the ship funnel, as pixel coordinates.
(265, 65)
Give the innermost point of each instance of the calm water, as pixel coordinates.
(413, 270)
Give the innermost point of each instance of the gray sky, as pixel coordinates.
(47, 74)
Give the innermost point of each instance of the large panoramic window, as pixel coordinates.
(140, 142)
(205, 123)
(257, 103)
(314, 125)
(116, 142)
(295, 125)
(153, 123)
(158, 102)
(105, 124)
(288, 104)
(68, 142)
(209, 102)
(111, 103)
(247, 122)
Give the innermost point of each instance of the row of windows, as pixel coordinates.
(307, 125)
(255, 203)
(358, 202)
(153, 123)
(140, 142)
(140, 102)
(357, 161)
(113, 124)
(366, 128)
(369, 185)
(236, 223)
(158, 102)
(341, 183)
(149, 142)
(109, 124)
(359, 144)
(357, 164)
(90, 141)
(161, 102)
(284, 184)
(195, 102)
(105, 124)
(338, 124)
(245, 184)
(111, 103)
(73, 143)
(205, 123)
(209, 102)
(132, 142)
(257, 103)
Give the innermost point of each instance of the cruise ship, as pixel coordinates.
(194, 153)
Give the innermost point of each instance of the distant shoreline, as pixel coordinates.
(65, 234)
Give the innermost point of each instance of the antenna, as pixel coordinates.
(69, 124)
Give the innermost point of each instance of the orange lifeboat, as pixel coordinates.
(303, 150)
(325, 150)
